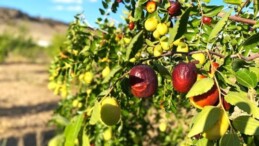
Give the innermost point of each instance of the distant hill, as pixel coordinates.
(41, 30)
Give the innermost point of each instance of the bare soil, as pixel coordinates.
(26, 104)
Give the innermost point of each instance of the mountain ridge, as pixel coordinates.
(41, 30)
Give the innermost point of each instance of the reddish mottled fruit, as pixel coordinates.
(131, 25)
(151, 6)
(143, 81)
(184, 75)
(119, 1)
(174, 9)
(206, 20)
(209, 98)
(226, 105)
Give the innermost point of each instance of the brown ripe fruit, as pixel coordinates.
(131, 25)
(184, 75)
(174, 9)
(209, 98)
(143, 81)
(206, 20)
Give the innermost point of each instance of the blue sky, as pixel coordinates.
(63, 10)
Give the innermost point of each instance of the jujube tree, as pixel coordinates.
(129, 84)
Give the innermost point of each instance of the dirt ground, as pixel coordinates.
(26, 105)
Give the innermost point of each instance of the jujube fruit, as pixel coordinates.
(143, 81)
(209, 98)
(151, 6)
(110, 111)
(151, 24)
(184, 75)
(174, 9)
(206, 20)
(131, 25)
(219, 128)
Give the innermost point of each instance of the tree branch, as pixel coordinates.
(239, 19)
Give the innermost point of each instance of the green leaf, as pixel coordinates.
(180, 27)
(133, 45)
(102, 11)
(95, 116)
(241, 100)
(205, 83)
(60, 120)
(206, 1)
(256, 71)
(211, 11)
(246, 125)
(85, 139)
(233, 2)
(204, 120)
(230, 140)
(57, 140)
(219, 26)
(162, 70)
(72, 130)
(246, 78)
(112, 73)
(138, 13)
(256, 8)
(149, 43)
(251, 42)
(204, 142)
(105, 5)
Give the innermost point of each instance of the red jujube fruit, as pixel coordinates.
(143, 81)
(184, 75)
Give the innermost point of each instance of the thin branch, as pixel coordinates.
(239, 19)
(211, 52)
(250, 58)
(244, 4)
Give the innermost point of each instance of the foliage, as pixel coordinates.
(76, 75)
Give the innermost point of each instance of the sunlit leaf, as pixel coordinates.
(60, 120)
(219, 26)
(204, 120)
(134, 45)
(114, 70)
(256, 71)
(206, 1)
(230, 140)
(200, 87)
(251, 42)
(246, 78)
(95, 116)
(85, 139)
(57, 140)
(204, 142)
(233, 2)
(162, 70)
(241, 100)
(246, 125)
(72, 130)
(211, 11)
(180, 27)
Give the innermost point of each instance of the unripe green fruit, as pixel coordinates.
(165, 46)
(110, 111)
(200, 57)
(162, 28)
(158, 50)
(106, 71)
(151, 24)
(156, 34)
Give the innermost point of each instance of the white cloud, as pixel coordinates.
(76, 8)
(93, 1)
(68, 1)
